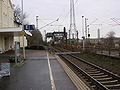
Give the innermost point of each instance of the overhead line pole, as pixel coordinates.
(83, 33)
(74, 20)
(86, 28)
(37, 22)
(23, 29)
(73, 31)
(70, 34)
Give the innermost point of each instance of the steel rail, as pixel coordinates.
(94, 81)
(115, 76)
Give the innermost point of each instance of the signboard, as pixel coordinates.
(29, 27)
(5, 69)
(26, 27)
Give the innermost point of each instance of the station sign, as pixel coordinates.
(29, 27)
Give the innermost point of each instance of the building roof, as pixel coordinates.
(27, 32)
(14, 30)
(10, 29)
(11, 4)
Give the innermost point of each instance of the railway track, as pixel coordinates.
(97, 77)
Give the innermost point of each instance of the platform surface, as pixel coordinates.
(35, 74)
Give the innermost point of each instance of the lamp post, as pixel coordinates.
(86, 27)
(37, 22)
(83, 33)
(45, 36)
(23, 29)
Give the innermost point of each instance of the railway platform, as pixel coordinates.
(41, 71)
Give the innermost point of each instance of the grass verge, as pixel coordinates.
(108, 63)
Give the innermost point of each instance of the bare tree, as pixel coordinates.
(18, 15)
(109, 41)
(111, 34)
(110, 38)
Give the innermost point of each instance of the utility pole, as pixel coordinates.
(88, 41)
(83, 33)
(86, 28)
(65, 35)
(72, 20)
(37, 22)
(88, 31)
(45, 36)
(98, 36)
(23, 29)
(73, 35)
(77, 37)
(69, 36)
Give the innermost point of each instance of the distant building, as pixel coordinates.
(101, 41)
(57, 37)
(72, 41)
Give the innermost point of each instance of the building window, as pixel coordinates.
(5, 18)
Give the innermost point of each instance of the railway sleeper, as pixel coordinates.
(77, 70)
(84, 77)
(89, 68)
(114, 83)
(101, 76)
(116, 86)
(104, 79)
(110, 81)
(90, 82)
(93, 72)
(96, 74)
(80, 75)
(93, 86)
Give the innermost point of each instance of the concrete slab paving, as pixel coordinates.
(35, 74)
(62, 81)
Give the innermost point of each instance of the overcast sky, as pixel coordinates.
(50, 10)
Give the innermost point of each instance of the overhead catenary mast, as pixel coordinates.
(73, 30)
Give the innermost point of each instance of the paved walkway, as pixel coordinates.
(35, 74)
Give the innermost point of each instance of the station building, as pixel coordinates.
(6, 21)
(10, 31)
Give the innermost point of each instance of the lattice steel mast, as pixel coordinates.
(73, 30)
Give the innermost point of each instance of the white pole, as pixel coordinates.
(83, 33)
(37, 22)
(22, 29)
